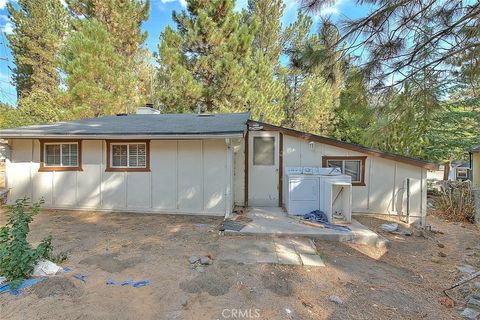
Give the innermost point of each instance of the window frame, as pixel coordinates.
(109, 157)
(362, 160)
(274, 150)
(462, 170)
(46, 168)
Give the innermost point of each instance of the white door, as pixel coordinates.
(263, 169)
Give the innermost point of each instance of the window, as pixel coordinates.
(60, 156)
(128, 156)
(462, 173)
(263, 151)
(352, 166)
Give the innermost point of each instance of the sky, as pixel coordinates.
(160, 17)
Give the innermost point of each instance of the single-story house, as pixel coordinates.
(195, 164)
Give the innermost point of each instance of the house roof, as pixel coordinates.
(135, 125)
(475, 148)
(349, 146)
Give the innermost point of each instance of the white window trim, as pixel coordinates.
(61, 155)
(343, 167)
(128, 155)
(462, 173)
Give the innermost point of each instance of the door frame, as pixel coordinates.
(248, 155)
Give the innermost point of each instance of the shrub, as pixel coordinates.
(17, 256)
(456, 202)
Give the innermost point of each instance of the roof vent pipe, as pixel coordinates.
(260, 118)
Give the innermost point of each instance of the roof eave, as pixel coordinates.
(222, 135)
(350, 146)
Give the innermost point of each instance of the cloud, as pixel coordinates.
(7, 28)
(3, 3)
(183, 3)
(331, 10)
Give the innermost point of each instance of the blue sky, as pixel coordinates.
(160, 16)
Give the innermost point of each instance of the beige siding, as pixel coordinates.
(384, 179)
(476, 169)
(239, 171)
(186, 177)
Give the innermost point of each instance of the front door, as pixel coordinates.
(263, 169)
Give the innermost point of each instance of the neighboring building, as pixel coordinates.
(195, 164)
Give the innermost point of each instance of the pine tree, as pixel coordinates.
(98, 78)
(39, 29)
(207, 60)
(122, 19)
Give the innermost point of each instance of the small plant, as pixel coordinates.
(17, 256)
(456, 202)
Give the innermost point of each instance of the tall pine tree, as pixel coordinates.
(206, 61)
(39, 29)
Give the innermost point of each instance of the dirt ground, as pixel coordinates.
(405, 283)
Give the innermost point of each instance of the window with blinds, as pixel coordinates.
(128, 155)
(61, 154)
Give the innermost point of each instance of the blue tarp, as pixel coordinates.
(24, 284)
(320, 217)
(135, 284)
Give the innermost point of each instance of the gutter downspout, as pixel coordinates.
(229, 179)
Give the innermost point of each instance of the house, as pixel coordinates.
(475, 166)
(195, 164)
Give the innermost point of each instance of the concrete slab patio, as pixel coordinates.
(292, 251)
(273, 221)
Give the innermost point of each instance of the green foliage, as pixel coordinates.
(40, 26)
(206, 61)
(17, 256)
(98, 79)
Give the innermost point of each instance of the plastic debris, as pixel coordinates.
(66, 269)
(24, 284)
(81, 277)
(45, 268)
(321, 218)
(133, 283)
(335, 299)
(110, 282)
(3, 279)
(389, 227)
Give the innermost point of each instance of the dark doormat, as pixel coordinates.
(234, 225)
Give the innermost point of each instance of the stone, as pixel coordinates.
(435, 260)
(312, 260)
(335, 299)
(474, 303)
(442, 254)
(201, 269)
(193, 266)
(440, 245)
(206, 261)
(446, 301)
(476, 284)
(466, 268)
(470, 313)
(184, 301)
(192, 259)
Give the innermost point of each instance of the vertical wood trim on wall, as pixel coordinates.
(280, 171)
(245, 194)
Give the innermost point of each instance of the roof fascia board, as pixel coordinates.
(124, 137)
(349, 146)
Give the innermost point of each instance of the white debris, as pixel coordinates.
(45, 268)
(3, 279)
(389, 227)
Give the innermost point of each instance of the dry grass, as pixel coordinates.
(455, 202)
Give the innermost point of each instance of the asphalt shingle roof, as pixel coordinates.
(139, 124)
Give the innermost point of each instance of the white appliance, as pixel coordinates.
(324, 189)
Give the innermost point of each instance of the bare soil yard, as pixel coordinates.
(404, 284)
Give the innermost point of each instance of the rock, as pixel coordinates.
(466, 268)
(435, 260)
(470, 313)
(335, 299)
(446, 301)
(201, 269)
(442, 254)
(184, 301)
(206, 261)
(440, 245)
(476, 284)
(192, 259)
(474, 303)
(193, 266)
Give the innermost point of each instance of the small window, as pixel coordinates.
(60, 156)
(462, 173)
(352, 166)
(131, 156)
(263, 151)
